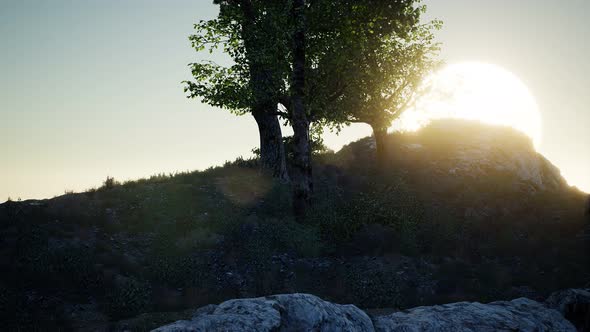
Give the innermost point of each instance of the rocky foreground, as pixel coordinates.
(567, 310)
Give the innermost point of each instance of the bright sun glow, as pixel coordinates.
(477, 91)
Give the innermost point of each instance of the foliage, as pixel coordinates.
(179, 270)
(130, 297)
(340, 214)
(19, 313)
(255, 40)
(312, 62)
(317, 146)
(54, 265)
(389, 71)
(109, 183)
(269, 236)
(354, 50)
(375, 288)
(189, 234)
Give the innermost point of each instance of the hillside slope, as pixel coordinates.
(464, 212)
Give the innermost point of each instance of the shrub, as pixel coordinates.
(60, 266)
(19, 312)
(109, 183)
(340, 214)
(375, 287)
(129, 298)
(180, 271)
(257, 240)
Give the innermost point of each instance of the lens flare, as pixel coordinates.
(476, 91)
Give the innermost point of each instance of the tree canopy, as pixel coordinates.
(330, 62)
(344, 39)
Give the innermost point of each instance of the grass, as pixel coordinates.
(182, 233)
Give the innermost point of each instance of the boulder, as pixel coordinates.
(303, 312)
(293, 312)
(574, 305)
(517, 315)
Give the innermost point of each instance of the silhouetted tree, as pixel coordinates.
(390, 68)
(247, 31)
(294, 59)
(302, 175)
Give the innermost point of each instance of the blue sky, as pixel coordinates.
(92, 88)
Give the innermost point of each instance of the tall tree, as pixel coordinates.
(247, 31)
(390, 69)
(324, 61)
(302, 174)
(301, 55)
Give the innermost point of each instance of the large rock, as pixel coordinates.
(574, 305)
(295, 312)
(516, 315)
(302, 312)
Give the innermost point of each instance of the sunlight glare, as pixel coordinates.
(476, 91)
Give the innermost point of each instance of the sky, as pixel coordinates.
(92, 88)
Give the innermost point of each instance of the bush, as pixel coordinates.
(55, 264)
(180, 271)
(19, 312)
(109, 183)
(257, 240)
(375, 287)
(340, 215)
(129, 298)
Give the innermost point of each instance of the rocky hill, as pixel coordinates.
(465, 212)
(563, 311)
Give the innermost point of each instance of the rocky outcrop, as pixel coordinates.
(574, 305)
(475, 150)
(516, 315)
(303, 312)
(295, 312)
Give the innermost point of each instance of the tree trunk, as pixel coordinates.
(302, 176)
(272, 149)
(380, 135)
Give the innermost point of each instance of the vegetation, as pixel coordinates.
(389, 74)
(109, 183)
(407, 230)
(171, 243)
(321, 62)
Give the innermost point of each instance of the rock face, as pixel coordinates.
(574, 305)
(516, 315)
(296, 312)
(475, 150)
(303, 312)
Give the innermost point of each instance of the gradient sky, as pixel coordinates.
(90, 88)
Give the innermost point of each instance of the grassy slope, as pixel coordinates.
(374, 239)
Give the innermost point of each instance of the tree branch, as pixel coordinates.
(337, 93)
(285, 100)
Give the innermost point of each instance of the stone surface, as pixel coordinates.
(574, 305)
(294, 312)
(516, 315)
(303, 312)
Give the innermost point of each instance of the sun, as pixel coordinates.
(477, 91)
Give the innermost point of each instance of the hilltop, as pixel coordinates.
(465, 212)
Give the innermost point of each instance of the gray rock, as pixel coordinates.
(293, 312)
(574, 305)
(516, 315)
(303, 312)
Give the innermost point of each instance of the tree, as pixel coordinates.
(390, 68)
(326, 43)
(250, 33)
(295, 59)
(302, 173)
